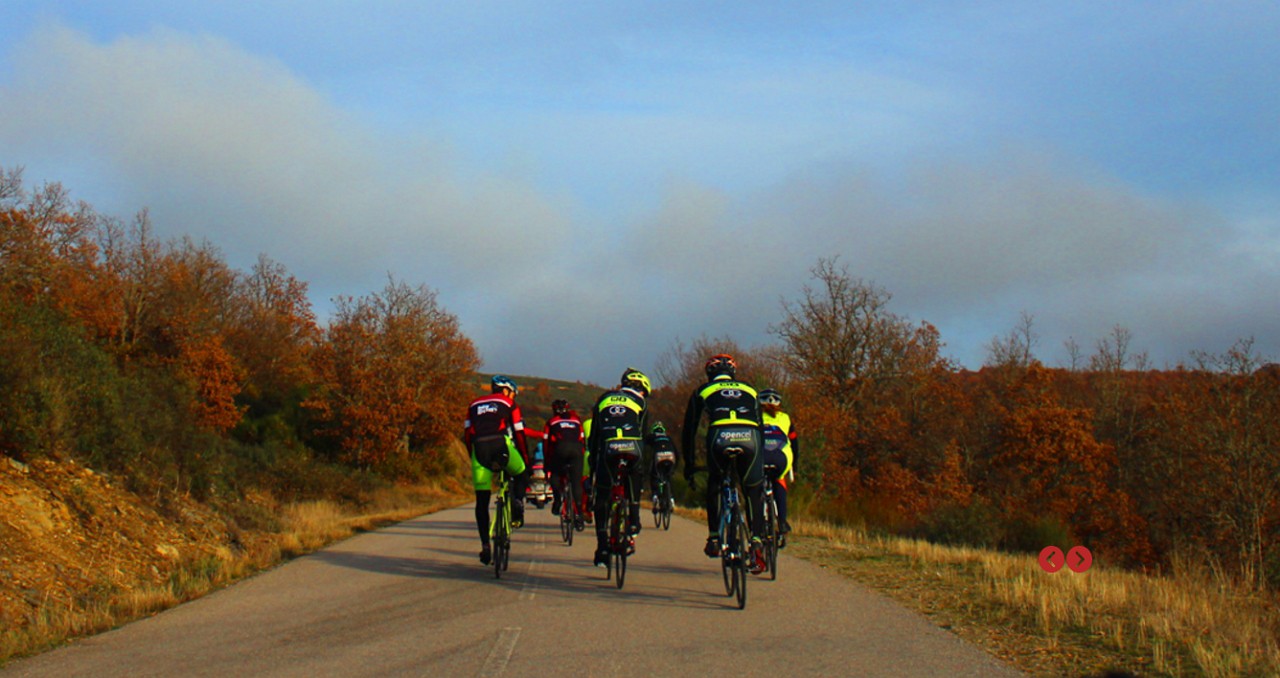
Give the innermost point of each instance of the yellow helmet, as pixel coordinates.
(635, 379)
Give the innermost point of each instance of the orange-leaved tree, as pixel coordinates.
(392, 366)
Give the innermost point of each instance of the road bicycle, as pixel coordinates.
(500, 523)
(664, 505)
(568, 507)
(735, 545)
(772, 527)
(621, 542)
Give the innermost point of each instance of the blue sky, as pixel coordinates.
(585, 183)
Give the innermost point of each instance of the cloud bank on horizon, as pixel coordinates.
(583, 188)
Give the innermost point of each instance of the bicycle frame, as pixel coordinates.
(500, 524)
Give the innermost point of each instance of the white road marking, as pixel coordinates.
(531, 582)
(496, 663)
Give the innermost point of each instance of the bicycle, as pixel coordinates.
(735, 544)
(665, 504)
(621, 543)
(568, 507)
(500, 524)
(772, 527)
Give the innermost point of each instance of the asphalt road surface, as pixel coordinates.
(413, 600)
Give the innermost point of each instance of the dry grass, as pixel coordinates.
(305, 527)
(1191, 622)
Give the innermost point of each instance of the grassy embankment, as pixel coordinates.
(1192, 621)
(303, 527)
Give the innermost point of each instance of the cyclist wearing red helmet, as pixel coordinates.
(734, 420)
(494, 433)
(564, 443)
(617, 432)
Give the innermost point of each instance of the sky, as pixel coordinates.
(585, 184)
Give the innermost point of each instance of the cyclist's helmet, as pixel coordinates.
(560, 406)
(659, 429)
(721, 363)
(635, 379)
(500, 382)
(770, 397)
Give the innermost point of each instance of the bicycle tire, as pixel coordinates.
(667, 506)
(729, 550)
(566, 513)
(615, 531)
(771, 540)
(620, 567)
(499, 540)
(740, 565)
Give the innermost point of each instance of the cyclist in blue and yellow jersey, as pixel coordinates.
(662, 451)
(494, 433)
(617, 432)
(781, 446)
(564, 444)
(734, 421)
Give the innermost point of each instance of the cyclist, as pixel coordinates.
(564, 443)
(586, 508)
(781, 446)
(494, 433)
(617, 431)
(664, 454)
(733, 415)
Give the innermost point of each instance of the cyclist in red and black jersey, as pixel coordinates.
(494, 433)
(734, 421)
(563, 444)
(617, 432)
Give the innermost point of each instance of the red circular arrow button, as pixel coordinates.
(1079, 559)
(1051, 559)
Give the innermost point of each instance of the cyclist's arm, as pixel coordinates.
(692, 414)
(517, 426)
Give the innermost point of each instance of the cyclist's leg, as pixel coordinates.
(519, 481)
(751, 466)
(602, 485)
(482, 480)
(552, 466)
(634, 483)
(573, 469)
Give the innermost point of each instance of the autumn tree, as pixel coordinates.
(392, 366)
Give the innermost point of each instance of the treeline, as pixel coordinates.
(1143, 466)
(158, 362)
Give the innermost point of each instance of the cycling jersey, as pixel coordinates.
(493, 430)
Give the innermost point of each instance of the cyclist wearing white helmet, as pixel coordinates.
(780, 448)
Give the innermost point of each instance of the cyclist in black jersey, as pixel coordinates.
(734, 421)
(617, 431)
(662, 450)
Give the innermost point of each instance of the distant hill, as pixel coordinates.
(536, 394)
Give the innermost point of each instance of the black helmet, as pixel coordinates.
(560, 406)
(659, 429)
(721, 363)
(770, 397)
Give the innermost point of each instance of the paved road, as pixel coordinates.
(413, 600)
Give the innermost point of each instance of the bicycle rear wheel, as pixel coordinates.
(499, 540)
(566, 513)
(740, 564)
(771, 536)
(668, 505)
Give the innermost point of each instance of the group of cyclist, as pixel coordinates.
(617, 435)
